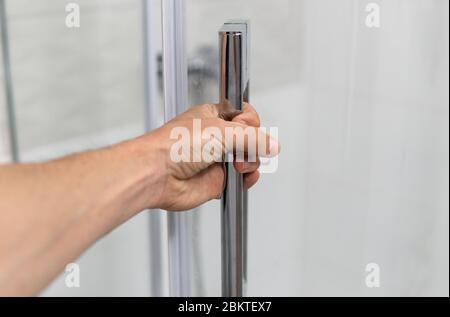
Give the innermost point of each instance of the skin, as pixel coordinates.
(53, 211)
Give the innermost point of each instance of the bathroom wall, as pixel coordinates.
(76, 81)
(78, 89)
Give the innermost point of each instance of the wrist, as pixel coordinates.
(147, 177)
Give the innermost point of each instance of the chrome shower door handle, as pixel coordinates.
(234, 91)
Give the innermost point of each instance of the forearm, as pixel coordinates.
(51, 212)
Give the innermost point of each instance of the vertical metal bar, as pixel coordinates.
(157, 219)
(175, 94)
(233, 41)
(152, 120)
(11, 118)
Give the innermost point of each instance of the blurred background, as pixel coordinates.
(362, 115)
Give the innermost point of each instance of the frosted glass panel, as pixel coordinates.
(363, 122)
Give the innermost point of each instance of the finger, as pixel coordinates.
(246, 167)
(248, 116)
(248, 141)
(250, 179)
(207, 185)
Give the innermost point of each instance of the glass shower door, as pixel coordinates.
(361, 107)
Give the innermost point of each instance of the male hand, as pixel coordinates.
(187, 184)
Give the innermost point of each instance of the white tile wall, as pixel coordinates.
(73, 82)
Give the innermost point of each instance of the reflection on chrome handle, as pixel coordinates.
(233, 42)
